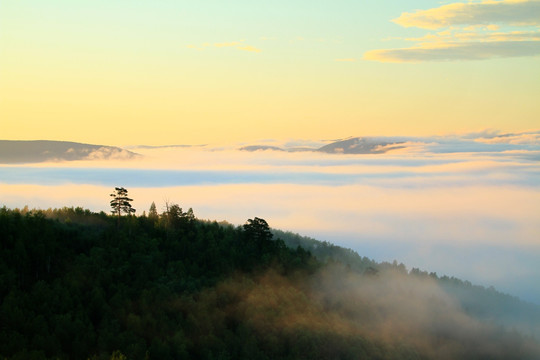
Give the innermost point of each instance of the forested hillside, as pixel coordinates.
(477, 301)
(81, 285)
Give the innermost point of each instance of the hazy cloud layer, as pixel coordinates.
(486, 141)
(469, 31)
(526, 138)
(465, 205)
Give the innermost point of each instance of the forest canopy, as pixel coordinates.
(83, 285)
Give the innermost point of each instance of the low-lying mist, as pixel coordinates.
(347, 311)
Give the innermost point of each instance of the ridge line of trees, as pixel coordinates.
(75, 284)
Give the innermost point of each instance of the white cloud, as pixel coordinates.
(469, 31)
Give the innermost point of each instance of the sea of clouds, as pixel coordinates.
(462, 205)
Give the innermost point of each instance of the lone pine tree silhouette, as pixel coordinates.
(121, 203)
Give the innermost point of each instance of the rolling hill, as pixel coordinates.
(81, 285)
(35, 151)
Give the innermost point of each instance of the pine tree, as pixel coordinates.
(121, 202)
(152, 212)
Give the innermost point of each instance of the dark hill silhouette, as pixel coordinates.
(81, 285)
(358, 145)
(261, 147)
(35, 151)
(355, 145)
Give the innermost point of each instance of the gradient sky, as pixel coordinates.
(186, 72)
(458, 199)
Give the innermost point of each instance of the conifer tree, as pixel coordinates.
(152, 212)
(121, 203)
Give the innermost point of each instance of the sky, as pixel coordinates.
(184, 72)
(457, 82)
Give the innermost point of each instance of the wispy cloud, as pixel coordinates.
(452, 51)
(249, 48)
(525, 138)
(512, 12)
(470, 31)
(346, 60)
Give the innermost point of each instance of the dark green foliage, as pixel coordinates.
(80, 285)
(75, 285)
(327, 252)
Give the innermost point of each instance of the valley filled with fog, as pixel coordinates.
(465, 206)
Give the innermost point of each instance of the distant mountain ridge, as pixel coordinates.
(35, 151)
(359, 145)
(353, 145)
